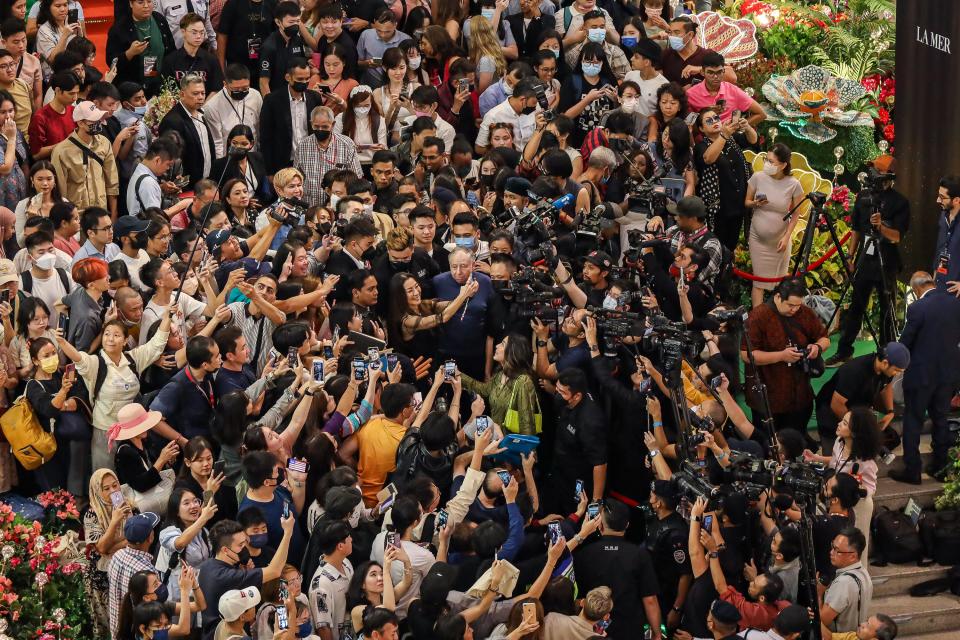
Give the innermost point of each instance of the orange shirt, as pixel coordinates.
(378, 442)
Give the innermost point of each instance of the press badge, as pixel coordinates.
(149, 66)
(253, 48)
(871, 249)
(944, 263)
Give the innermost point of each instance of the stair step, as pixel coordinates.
(939, 635)
(896, 579)
(926, 453)
(916, 616)
(894, 495)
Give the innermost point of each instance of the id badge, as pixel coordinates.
(944, 263)
(871, 249)
(149, 66)
(253, 48)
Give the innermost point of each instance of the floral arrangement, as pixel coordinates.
(161, 104)
(42, 592)
(950, 498)
(881, 95)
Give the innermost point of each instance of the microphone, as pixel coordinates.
(563, 201)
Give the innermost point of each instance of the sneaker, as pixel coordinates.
(905, 477)
(836, 361)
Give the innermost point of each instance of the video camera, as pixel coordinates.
(534, 296)
(692, 486)
(289, 211)
(643, 194)
(672, 342)
(756, 475)
(614, 326)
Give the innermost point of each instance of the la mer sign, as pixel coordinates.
(935, 40)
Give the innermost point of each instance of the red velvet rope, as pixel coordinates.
(813, 265)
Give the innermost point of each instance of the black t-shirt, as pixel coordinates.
(580, 443)
(179, 63)
(701, 595)
(363, 9)
(349, 45)
(627, 569)
(216, 578)
(672, 66)
(668, 542)
(246, 24)
(856, 381)
(421, 624)
(276, 54)
(572, 91)
(894, 213)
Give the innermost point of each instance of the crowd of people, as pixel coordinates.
(414, 319)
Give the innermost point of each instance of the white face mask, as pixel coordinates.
(361, 111)
(414, 63)
(770, 169)
(334, 199)
(609, 303)
(628, 105)
(46, 262)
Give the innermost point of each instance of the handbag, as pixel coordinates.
(75, 425)
(512, 420)
(154, 499)
(31, 445)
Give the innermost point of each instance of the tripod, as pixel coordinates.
(817, 200)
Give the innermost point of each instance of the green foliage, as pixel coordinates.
(858, 143)
(859, 45)
(795, 42)
(950, 498)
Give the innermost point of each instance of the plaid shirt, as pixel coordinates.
(123, 565)
(619, 65)
(341, 153)
(707, 242)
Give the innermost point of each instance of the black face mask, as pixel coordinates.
(239, 95)
(292, 30)
(243, 557)
(463, 170)
(299, 87)
(238, 153)
(95, 129)
(528, 110)
(399, 266)
(369, 254)
(321, 134)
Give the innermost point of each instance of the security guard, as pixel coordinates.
(667, 544)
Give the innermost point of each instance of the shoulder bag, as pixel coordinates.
(512, 420)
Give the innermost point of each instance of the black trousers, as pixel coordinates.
(932, 400)
(864, 284)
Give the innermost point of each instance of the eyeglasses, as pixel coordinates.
(109, 227)
(9, 66)
(711, 120)
(837, 550)
(197, 32)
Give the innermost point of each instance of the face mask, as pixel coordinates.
(556, 53)
(628, 105)
(238, 153)
(292, 30)
(94, 129)
(361, 111)
(770, 169)
(676, 42)
(140, 111)
(304, 630)
(414, 63)
(421, 114)
(243, 557)
(507, 89)
(239, 95)
(162, 595)
(258, 540)
(465, 243)
(368, 210)
(46, 261)
(597, 35)
(488, 13)
(629, 41)
(398, 266)
(321, 134)
(463, 170)
(528, 110)
(161, 634)
(591, 69)
(299, 87)
(49, 365)
(610, 303)
(369, 254)
(281, 476)
(334, 199)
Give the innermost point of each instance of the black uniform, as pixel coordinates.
(667, 542)
(421, 266)
(276, 54)
(246, 25)
(581, 444)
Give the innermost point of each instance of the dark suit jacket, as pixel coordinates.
(224, 170)
(342, 265)
(932, 334)
(180, 121)
(276, 134)
(526, 43)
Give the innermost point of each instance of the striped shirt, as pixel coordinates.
(314, 162)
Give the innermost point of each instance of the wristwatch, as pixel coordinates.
(541, 343)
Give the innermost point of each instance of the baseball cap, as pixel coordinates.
(438, 582)
(217, 238)
(600, 259)
(517, 185)
(792, 619)
(340, 501)
(898, 354)
(689, 207)
(137, 528)
(129, 224)
(87, 111)
(234, 602)
(8, 272)
(724, 612)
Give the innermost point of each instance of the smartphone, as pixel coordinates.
(336, 334)
(529, 612)
(483, 423)
(286, 509)
(5, 295)
(386, 492)
(116, 499)
(760, 197)
(735, 115)
(376, 61)
(392, 361)
(601, 627)
(292, 357)
(593, 510)
(218, 467)
(683, 276)
(442, 518)
(282, 622)
(691, 119)
(715, 383)
(146, 39)
(373, 354)
(318, 370)
(393, 539)
(578, 490)
(504, 477)
(554, 531)
(298, 465)
(70, 368)
(386, 504)
(708, 523)
(463, 83)
(73, 16)
(417, 400)
(359, 369)
(449, 370)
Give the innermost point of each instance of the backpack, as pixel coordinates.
(409, 453)
(30, 443)
(102, 375)
(940, 535)
(27, 278)
(895, 538)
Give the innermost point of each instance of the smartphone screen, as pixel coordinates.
(327, 352)
(116, 498)
(298, 465)
(708, 523)
(286, 509)
(359, 369)
(483, 423)
(593, 510)
(70, 368)
(282, 622)
(553, 529)
(373, 354)
(292, 357)
(449, 370)
(578, 490)
(392, 361)
(218, 467)
(442, 518)
(318, 370)
(504, 477)
(393, 540)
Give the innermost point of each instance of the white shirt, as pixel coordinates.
(420, 562)
(133, 267)
(190, 309)
(523, 125)
(328, 597)
(444, 130)
(364, 136)
(223, 113)
(50, 289)
(204, 143)
(174, 10)
(647, 105)
(298, 120)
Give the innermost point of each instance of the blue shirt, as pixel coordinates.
(491, 97)
(948, 243)
(110, 252)
(466, 332)
(186, 404)
(227, 381)
(576, 358)
(272, 513)
(369, 44)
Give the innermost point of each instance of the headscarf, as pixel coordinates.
(103, 510)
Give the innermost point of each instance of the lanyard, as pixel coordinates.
(243, 109)
(20, 65)
(207, 393)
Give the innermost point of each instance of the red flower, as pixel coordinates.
(888, 132)
(883, 115)
(15, 562)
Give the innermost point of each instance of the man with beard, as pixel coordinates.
(402, 257)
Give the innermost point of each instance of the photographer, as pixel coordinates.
(881, 216)
(788, 338)
(680, 294)
(569, 345)
(840, 496)
(596, 270)
(691, 229)
(862, 382)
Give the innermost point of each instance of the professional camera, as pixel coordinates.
(672, 342)
(590, 221)
(289, 211)
(614, 326)
(806, 477)
(548, 113)
(534, 298)
(691, 485)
